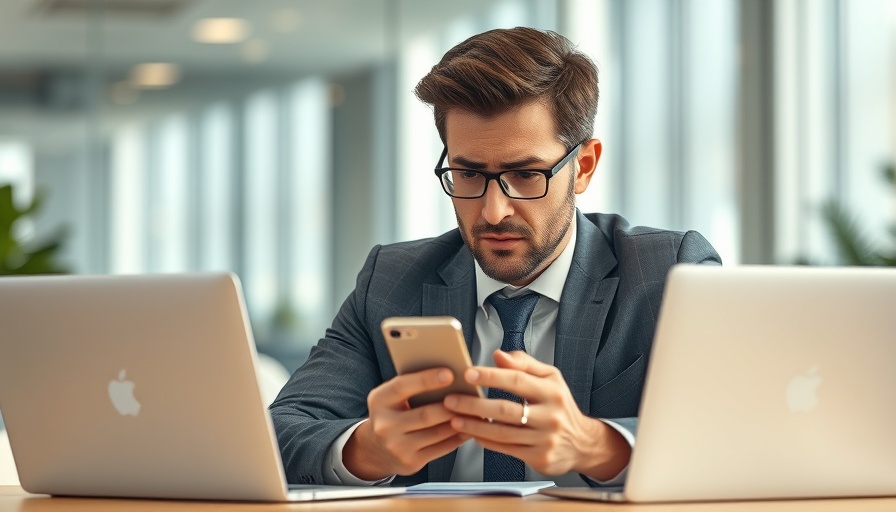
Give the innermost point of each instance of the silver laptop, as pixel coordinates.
(139, 386)
(767, 382)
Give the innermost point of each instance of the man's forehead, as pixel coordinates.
(516, 132)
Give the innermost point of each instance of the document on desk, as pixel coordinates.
(468, 488)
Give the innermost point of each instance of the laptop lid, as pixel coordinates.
(770, 382)
(138, 386)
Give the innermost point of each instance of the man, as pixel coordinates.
(515, 110)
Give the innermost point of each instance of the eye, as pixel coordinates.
(524, 175)
(467, 175)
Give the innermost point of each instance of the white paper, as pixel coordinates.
(511, 488)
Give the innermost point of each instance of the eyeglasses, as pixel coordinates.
(515, 183)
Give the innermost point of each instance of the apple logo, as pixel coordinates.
(121, 392)
(801, 392)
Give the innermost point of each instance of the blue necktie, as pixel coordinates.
(514, 314)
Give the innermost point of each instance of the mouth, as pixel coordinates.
(501, 241)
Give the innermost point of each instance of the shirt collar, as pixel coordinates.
(549, 284)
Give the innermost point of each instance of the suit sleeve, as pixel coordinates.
(328, 394)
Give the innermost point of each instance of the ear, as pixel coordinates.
(589, 154)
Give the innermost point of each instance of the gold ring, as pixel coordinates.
(525, 418)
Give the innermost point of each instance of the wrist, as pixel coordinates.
(357, 457)
(604, 452)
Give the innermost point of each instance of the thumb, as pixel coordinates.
(520, 360)
(516, 360)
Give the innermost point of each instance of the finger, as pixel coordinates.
(532, 388)
(520, 360)
(395, 392)
(414, 451)
(504, 411)
(496, 432)
(418, 418)
(443, 448)
(394, 436)
(423, 440)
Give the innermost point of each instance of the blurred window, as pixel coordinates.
(260, 192)
(834, 111)
(170, 207)
(421, 202)
(667, 114)
(127, 196)
(308, 205)
(17, 168)
(218, 205)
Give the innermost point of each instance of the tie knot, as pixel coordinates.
(514, 312)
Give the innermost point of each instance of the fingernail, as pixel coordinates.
(451, 401)
(457, 423)
(472, 375)
(445, 376)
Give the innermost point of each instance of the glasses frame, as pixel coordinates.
(489, 176)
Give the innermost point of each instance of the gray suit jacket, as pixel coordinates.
(605, 325)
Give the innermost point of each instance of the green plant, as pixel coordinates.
(853, 246)
(18, 256)
(285, 317)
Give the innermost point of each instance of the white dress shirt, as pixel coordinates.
(539, 339)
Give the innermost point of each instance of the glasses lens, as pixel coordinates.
(460, 183)
(524, 184)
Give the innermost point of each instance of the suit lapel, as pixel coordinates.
(455, 296)
(587, 296)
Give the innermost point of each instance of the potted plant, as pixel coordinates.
(854, 249)
(18, 255)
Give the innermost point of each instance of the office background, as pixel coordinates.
(281, 140)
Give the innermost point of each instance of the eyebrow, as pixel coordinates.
(523, 163)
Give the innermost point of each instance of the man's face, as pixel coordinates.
(515, 240)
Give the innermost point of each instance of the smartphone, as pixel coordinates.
(422, 342)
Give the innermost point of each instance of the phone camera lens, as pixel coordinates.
(395, 333)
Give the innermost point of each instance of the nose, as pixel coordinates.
(497, 206)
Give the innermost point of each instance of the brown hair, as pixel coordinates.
(497, 70)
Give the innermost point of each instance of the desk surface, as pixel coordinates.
(15, 499)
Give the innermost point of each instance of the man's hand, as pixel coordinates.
(556, 438)
(399, 440)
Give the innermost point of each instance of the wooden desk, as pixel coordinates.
(14, 499)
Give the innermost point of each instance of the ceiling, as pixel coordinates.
(55, 55)
(308, 36)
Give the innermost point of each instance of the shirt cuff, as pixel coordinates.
(619, 479)
(335, 472)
